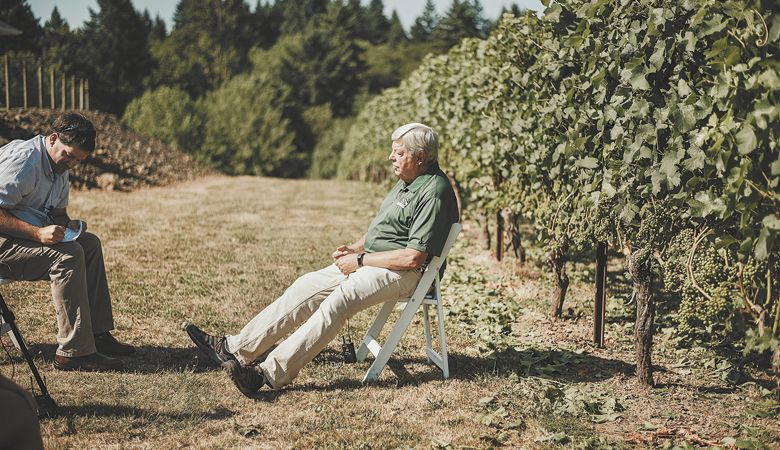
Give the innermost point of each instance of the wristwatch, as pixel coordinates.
(360, 258)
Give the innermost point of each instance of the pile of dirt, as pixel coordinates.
(122, 160)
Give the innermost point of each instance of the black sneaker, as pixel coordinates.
(215, 347)
(248, 379)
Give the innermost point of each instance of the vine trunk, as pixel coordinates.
(642, 278)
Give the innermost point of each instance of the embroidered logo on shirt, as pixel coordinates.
(403, 203)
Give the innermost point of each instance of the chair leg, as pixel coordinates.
(392, 340)
(372, 335)
(427, 328)
(6, 328)
(445, 367)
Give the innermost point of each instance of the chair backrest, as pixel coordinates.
(433, 267)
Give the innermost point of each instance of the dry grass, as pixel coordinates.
(216, 250)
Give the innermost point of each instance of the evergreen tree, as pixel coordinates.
(376, 23)
(396, 34)
(426, 23)
(298, 13)
(464, 19)
(18, 14)
(59, 44)
(513, 9)
(267, 21)
(209, 43)
(323, 64)
(158, 31)
(114, 50)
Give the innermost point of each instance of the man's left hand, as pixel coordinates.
(347, 263)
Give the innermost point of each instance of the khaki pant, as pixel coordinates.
(318, 304)
(79, 288)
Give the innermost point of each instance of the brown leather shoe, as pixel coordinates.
(108, 345)
(95, 362)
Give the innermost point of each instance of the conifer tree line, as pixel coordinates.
(266, 89)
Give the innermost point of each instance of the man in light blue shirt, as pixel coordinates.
(34, 189)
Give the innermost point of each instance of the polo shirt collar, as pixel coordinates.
(421, 179)
(48, 170)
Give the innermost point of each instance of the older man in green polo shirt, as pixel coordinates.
(384, 265)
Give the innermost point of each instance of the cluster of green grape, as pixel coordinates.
(754, 272)
(711, 273)
(698, 313)
(675, 257)
(604, 223)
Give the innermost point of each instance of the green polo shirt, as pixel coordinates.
(417, 215)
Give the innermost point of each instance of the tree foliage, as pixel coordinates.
(114, 47)
(168, 115)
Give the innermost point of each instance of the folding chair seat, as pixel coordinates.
(6, 327)
(427, 294)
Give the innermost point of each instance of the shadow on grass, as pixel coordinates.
(559, 365)
(148, 359)
(71, 413)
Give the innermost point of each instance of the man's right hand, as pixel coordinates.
(51, 234)
(341, 251)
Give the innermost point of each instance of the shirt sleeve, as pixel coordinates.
(430, 226)
(17, 179)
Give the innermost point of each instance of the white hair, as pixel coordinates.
(419, 137)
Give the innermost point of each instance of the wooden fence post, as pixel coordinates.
(51, 89)
(499, 226)
(62, 91)
(7, 90)
(86, 93)
(72, 92)
(601, 294)
(24, 84)
(40, 86)
(81, 94)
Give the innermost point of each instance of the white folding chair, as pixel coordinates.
(4, 326)
(421, 296)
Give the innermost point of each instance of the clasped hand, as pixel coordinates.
(346, 259)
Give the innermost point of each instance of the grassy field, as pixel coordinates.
(216, 250)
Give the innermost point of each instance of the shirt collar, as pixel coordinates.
(48, 170)
(421, 179)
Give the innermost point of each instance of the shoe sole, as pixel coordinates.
(202, 346)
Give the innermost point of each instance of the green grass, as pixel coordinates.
(216, 250)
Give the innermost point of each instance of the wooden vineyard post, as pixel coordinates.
(86, 94)
(40, 86)
(72, 92)
(81, 94)
(24, 84)
(62, 92)
(7, 90)
(499, 226)
(601, 294)
(51, 89)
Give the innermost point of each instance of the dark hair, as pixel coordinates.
(75, 130)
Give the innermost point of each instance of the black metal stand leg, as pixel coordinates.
(46, 405)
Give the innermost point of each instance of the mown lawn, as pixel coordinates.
(216, 250)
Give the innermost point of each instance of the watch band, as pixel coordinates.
(360, 258)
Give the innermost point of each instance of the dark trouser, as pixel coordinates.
(19, 428)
